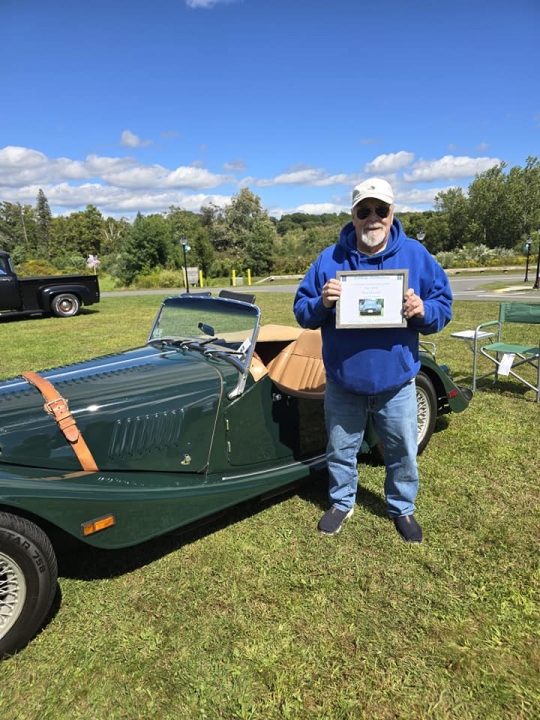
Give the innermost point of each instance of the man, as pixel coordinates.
(372, 370)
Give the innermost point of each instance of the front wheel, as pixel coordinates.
(65, 305)
(28, 581)
(427, 409)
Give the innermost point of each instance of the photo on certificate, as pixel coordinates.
(371, 298)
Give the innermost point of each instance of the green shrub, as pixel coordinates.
(33, 268)
(160, 279)
(71, 263)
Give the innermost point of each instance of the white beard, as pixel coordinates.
(373, 238)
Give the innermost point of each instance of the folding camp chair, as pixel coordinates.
(506, 356)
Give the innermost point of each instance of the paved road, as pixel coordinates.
(463, 287)
(470, 288)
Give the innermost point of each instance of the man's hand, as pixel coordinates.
(413, 305)
(331, 292)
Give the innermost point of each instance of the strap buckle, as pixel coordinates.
(60, 402)
(59, 409)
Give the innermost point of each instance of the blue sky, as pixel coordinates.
(136, 106)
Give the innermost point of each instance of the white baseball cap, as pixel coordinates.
(373, 188)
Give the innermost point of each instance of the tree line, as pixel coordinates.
(500, 210)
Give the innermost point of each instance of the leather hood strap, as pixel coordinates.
(57, 406)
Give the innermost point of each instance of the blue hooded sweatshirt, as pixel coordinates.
(368, 361)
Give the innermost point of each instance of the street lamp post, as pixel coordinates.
(185, 248)
(536, 285)
(528, 251)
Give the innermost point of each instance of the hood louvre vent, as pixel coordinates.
(144, 434)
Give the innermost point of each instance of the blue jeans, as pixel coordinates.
(394, 416)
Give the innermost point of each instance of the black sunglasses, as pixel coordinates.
(364, 212)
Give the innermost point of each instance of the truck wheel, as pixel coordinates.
(28, 581)
(65, 305)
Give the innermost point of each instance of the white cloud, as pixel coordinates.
(135, 177)
(129, 139)
(207, 4)
(23, 166)
(309, 208)
(124, 185)
(152, 176)
(115, 200)
(319, 208)
(12, 155)
(114, 185)
(20, 166)
(400, 208)
(416, 196)
(235, 166)
(194, 178)
(311, 177)
(99, 165)
(385, 164)
(449, 167)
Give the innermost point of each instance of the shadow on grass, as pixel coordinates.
(508, 387)
(83, 562)
(500, 387)
(441, 424)
(318, 495)
(77, 560)
(4, 319)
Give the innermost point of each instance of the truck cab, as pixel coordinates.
(9, 291)
(59, 295)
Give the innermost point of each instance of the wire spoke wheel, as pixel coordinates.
(427, 409)
(12, 593)
(28, 581)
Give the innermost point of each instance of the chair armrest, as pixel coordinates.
(472, 334)
(488, 324)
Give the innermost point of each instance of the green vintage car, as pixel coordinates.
(215, 409)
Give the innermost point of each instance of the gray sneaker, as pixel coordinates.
(331, 521)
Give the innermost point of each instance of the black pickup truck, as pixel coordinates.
(60, 295)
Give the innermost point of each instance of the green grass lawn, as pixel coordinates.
(256, 615)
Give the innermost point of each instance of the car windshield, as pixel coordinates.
(209, 324)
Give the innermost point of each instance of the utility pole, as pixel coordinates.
(536, 285)
(23, 225)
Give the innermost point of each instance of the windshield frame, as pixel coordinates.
(234, 346)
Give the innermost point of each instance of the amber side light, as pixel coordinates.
(94, 526)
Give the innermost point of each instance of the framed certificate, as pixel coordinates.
(371, 298)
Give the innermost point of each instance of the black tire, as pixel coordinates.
(65, 305)
(427, 409)
(28, 581)
(426, 399)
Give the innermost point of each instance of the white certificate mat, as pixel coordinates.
(371, 299)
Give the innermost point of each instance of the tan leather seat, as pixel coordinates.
(298, 369)
(257, 368)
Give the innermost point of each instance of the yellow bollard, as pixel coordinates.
(233, 278)
(248, 273)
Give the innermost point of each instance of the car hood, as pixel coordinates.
(143, 409)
